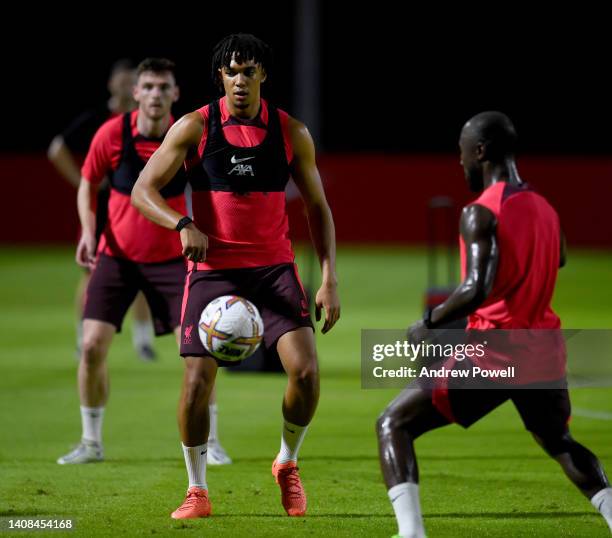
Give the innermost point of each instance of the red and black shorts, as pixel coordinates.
(544, 411)
(115, 282)
(276, 290)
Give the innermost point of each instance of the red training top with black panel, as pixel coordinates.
(118, 151)
(238, 181)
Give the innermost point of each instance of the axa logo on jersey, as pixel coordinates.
(241, 169)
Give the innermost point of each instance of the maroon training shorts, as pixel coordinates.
(115, 282)
(276, 290)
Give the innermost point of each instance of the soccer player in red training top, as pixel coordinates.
(133, 254)
(242, 151)
(63, 151)
(512, 247)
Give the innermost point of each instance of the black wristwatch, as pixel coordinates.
(182, 223)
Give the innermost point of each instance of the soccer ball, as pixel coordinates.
(231, 328)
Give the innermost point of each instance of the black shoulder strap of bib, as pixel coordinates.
(126, 138)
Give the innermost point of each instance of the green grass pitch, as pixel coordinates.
(491, 480)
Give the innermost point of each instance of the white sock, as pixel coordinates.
(195, 460)
(142, 333)
(91, 420)
(405, 500)
(602, 500)
(291, 441)
(213, 434)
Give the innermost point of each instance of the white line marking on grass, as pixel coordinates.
(589, 413)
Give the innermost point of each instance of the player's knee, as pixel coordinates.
(303, 367)
(382, 424)
(306, 375)
(92, 349)
(554, 444)
(195, 393)
(196, 387)
(389, 421)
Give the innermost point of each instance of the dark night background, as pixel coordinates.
(390, 81)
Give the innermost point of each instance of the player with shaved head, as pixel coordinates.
(511, 250)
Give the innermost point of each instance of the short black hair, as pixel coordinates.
(496, 131)
(242, 47)
(156, 65)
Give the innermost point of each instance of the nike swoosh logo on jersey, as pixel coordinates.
(233, 160)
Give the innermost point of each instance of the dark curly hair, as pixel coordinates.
(242, 47)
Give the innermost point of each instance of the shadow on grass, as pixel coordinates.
(309, 516)
(178, 460)
(449, 515)
(374, 457)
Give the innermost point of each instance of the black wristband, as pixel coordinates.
(427, 318)
(182, 223)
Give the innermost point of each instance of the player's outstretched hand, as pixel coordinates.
(327, 299)
(417, 332)
(194, 243)
(86, 251)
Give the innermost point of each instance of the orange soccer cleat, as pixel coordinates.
(293, 495)
(196, 504)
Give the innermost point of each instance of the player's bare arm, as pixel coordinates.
(306, 176)
(477, 227)
(61, 157)
(159, 170)
(86, 206)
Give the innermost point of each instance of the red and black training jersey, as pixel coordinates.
(238, 187)
(528, 238)
(119, 151)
